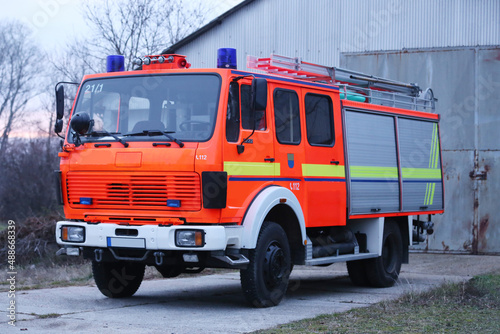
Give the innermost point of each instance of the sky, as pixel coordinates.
(55, 22)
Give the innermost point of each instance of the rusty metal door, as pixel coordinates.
(486, 232)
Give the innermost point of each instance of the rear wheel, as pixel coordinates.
(118, 279)
(265, 280)
(357, 272)
(383, 271)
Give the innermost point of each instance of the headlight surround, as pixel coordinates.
(189, 238)
(73, 233)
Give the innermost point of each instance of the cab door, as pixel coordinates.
(248, 153)
(288, 133)
(323, 169)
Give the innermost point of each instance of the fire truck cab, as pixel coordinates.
(301, 164)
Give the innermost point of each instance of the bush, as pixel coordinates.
(35, 242)
(27, 184)
(28, 197)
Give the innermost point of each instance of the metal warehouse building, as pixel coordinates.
(452, 46)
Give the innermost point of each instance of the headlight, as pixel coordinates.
(189, 238)
(73, 233)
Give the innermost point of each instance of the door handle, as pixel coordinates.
(334, 162)
(269, 159)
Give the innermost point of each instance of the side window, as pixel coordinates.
(286, 115)
(319, 120)
(233, 113)
(260, 116)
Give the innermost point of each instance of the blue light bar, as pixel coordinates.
(174, 203)
(86, 200)
(226, 58)
(115, 63)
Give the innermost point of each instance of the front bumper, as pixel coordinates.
(151, 237)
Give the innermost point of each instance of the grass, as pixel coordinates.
(467, 307)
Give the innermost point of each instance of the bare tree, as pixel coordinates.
(70, 66)
(131, 28)
(18, 68)
(137, 27)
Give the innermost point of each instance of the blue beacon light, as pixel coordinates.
(115, 63)
(226, 58)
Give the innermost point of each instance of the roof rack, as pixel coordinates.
(353, 85)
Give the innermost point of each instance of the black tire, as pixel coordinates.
(118, 279)
(383, 271)
(357, 272)
(266, 278)
(169, 271)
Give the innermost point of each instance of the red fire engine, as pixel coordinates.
(184, 169)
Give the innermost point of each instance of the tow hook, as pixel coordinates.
(98, 255)
(159, 258)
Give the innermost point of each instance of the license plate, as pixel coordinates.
(127, 242)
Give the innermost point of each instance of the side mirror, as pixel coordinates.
(58, 126)
(60, 102)
(80, 123)
(259, 94)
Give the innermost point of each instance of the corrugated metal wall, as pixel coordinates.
(466, 81)
(442, 37)
(319, 30)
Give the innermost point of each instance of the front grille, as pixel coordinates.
(129, 190)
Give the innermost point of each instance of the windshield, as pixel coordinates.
(182, 105)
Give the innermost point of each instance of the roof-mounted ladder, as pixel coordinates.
(356, 86)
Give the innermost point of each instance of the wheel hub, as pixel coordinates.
(275, 266)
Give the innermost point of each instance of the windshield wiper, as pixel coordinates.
(152, 133)
(104, 133)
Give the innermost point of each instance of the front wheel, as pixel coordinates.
(383, 271)
(118, 279)
(265, 280)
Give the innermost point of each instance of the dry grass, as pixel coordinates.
(43, 275)
(48, 276)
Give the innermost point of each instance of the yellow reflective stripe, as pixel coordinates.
(433, 172)
(421, 173)
(374, 172)
(431, 155)
(436, 153)
(431, 199)
(434, 156)
(252, 168)
(426, 193)
(429, 193)
(323, 170)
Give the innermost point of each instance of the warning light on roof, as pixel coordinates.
(226, 58)
(115, 63)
